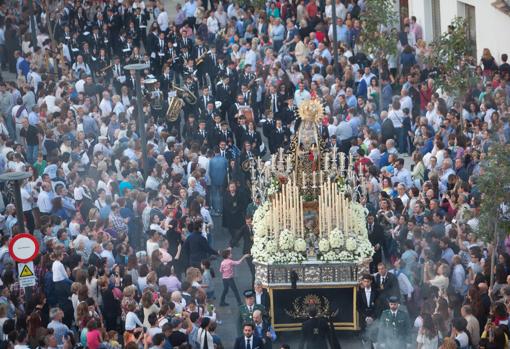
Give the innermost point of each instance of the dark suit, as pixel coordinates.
(278, 139)
(265, 300)
(376, 236)
(385, 290)
(366, 308)
(387, 130)
(255, 343)
(315, 333)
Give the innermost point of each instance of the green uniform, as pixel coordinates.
(246, 316)
(393, 329)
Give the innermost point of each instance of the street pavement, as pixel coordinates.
(229, 316)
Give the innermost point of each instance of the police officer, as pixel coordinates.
(246, 310)
(393, 325)
(315, 331)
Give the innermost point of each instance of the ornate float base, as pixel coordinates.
(331, 287)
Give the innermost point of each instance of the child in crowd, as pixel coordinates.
(227, 274)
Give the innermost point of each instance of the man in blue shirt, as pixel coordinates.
(218, 173)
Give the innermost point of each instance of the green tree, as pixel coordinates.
(450, 53)
(494, 186)
(378, 39)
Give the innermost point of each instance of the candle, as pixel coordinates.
(326, 162)
(313, 180)
(294, 177)
(321, 178)
(304, 181)
(320, 209)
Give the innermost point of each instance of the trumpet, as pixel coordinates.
(103, 70)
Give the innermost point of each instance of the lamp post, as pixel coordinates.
(33, 26)
(335, 38)
(139, 67)
(17, 178)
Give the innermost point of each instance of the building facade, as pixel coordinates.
(488, 21)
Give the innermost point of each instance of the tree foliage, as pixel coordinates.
(494, 184)
(378, 19)
(451, 54)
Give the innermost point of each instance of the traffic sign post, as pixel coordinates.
(23, 248)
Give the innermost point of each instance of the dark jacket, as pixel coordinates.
(255, 344)
(315, 333)
(196, 249)
(234, 208)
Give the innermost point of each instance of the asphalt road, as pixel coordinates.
(229, 316)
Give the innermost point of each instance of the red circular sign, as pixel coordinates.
(23, 248)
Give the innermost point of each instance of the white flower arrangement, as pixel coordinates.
(286, 240)
(323, 245)
(274, 187)
(337, 246)
(260, 224)
(336, 238)
(350, 244)
(300, 245)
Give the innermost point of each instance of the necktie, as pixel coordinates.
(251, 308)
(382, 280)
(248, 345)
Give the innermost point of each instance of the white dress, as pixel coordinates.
(426, 342)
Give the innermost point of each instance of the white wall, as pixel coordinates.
(492, 25)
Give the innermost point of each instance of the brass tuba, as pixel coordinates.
(188, 96)
(175, 105)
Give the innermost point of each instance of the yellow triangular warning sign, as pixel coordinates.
(26, 272)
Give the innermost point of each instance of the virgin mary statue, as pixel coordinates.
(307, 143)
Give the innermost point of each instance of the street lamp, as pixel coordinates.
(335, 39)
(33, 25)
(17, 178)
(139, 67)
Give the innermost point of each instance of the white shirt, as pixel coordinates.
(26, 198)
(301, 96)
(368, 293)
(132, 321)
(106, 107)
(59, 271)
(163, 20)
(212, 25)
(151, 247)
(44, 202)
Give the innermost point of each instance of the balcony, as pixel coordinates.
(503, 6)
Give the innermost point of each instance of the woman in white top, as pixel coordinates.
(427, 335)
(58, 269)
(132, 320)
(205, 339)
(153, 242)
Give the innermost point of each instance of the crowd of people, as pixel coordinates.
(128, 258)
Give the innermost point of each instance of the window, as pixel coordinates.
(469, 14)
(436, 19)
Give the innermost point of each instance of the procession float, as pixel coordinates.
(310, 234)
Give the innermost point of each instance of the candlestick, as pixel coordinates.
(289, 164)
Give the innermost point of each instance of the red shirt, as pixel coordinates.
(312, 9)
(93, 339)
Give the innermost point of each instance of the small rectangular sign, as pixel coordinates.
(26, 274)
